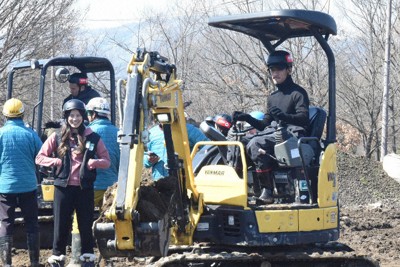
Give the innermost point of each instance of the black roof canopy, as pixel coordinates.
(278, 25)
(84, 64)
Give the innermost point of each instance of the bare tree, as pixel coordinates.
(360, 62)
(33, 29)
(226, 71)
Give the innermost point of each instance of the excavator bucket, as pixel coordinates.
(153, 236)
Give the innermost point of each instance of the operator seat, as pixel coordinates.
(317, 117)
(210, 154)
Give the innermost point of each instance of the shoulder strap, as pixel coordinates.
(93, 137)
(58, 139)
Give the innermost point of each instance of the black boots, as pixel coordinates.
(33, 242)
(5, 250)
(266, 196)
(267, 185)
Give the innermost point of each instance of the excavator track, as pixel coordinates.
(327, 255)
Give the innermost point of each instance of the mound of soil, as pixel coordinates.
(369, 201)
(370, 214)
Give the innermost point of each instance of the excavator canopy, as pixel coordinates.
(278, 25)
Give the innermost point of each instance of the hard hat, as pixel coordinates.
(257, 115)
(99, 105)
(78, 78)
(13, 108)
(74, 104)
(223, 120)
(280, 58)
(209, 119)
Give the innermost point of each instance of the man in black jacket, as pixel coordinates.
(80, 89)
(288, 106)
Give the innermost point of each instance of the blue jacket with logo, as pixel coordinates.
(108, 133)
(157, 146)
(19, 146)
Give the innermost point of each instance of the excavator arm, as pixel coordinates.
(152, 92)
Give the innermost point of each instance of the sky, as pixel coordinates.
(112, 13)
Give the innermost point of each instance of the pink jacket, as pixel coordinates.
(44, 157)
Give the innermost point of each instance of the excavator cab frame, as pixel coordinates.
(83, 64)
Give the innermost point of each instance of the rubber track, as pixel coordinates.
(318, 256)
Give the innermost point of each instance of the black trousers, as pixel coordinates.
(266, 142)
(66, 200)
(28, 204)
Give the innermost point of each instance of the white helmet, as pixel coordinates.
(99, 105)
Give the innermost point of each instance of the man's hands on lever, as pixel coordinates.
(277, 113)
(240, 116)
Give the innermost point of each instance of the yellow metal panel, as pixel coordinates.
(48, 192)
(186, 237)
(275, 221)
(221, 185)
(310, 220)
(124, 234)
(331, 218)
(327, 178)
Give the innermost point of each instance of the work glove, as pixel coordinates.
(277, 113)
(232, 134)
(240, 116)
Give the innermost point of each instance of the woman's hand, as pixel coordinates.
(91, 164)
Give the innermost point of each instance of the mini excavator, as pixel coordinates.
(209, 218)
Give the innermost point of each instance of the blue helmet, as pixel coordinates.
(257, 115)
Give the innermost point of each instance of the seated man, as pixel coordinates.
(288, 106)
(80, 89)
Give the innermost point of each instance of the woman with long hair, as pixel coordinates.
(76, 152)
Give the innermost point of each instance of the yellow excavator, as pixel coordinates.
(210, 218)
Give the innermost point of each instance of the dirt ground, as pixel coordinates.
(370, 214)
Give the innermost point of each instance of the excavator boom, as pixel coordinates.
(152, 92)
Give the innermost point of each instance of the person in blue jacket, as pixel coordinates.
(18, 182)
(157, 155)
(97, 111)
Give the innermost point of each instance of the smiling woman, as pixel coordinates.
(75, 152)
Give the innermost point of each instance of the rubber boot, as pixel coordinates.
(267, 185)
(75, 250)
(5, 250)
(256, 185)
(33, 243)
(266, 196)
